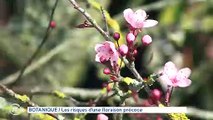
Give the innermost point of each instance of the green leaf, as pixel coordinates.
(59, 94)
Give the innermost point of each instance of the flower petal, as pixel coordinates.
(137, 23)
(165, 79)
(111, 45)
(170, 70)
(182, 77)
(184, 82)
(97, 47)
(140, 14)
(128, 15)
(149, 23)
(97, 58)
(185, 72)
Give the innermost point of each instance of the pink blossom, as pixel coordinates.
(174, 77)
(146, 40)
(102, 117)
(138, 19)
(106, 52)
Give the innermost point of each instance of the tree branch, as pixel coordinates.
(131, 67)
(29, 103)
(72, 93)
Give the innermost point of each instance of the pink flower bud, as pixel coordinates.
(106, 71)
(116, 36)
(123, 50)
(146, 40)
(156, 94)
(135, 52)
(102, 117)
(130, 38)
(52, 24)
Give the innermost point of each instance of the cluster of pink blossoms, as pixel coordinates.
(108, 54)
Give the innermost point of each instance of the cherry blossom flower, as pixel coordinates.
(174, 77)
(102, 117)
(106, 52)
(138, 19)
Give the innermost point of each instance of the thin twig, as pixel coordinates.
(70, 93)
(76, 102)
(102, 97)
(120, 115)
(89, 18)
(105, 20)
(45, 38)
(29, 103)
(168, 95)
(82, 93)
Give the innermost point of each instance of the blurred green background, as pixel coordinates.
(183, 35)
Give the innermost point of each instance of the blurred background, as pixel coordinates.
(183, 35)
